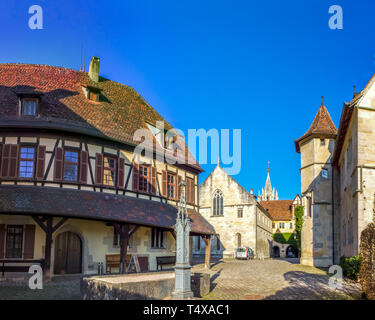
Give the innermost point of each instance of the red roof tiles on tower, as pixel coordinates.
(322, 126)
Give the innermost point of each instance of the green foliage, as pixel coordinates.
(350, 266)
(285, 238)
(367, 254)
(298, 213)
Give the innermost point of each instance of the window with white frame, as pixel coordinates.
(29, 107)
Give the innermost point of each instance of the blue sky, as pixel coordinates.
(258, 66)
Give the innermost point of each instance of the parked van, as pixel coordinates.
(244, 253)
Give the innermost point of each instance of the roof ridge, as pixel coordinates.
(37, 65)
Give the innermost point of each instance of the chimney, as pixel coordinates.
(251, 191)
(94, 69)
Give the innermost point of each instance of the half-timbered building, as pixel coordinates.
(71, 190)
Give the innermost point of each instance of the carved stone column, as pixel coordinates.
(182, 267)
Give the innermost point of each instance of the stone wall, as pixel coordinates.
(317, 232)
(144, 286)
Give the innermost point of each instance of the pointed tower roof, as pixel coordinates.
(268, 186)
(322, 126)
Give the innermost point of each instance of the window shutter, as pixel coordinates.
(2, 241)
(153, 180)
(188, 191)
(5, 161)
(1, 156)
(13, 161)
(192, 191)
(29, 241)
(121, 172)
(59, 161)
(135, 176)
(164, 184)
(179, 179)
(40, 162)
(84, 167)
(99, 168)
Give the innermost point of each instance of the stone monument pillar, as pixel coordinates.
(182, 267)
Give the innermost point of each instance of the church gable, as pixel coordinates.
(233, 192)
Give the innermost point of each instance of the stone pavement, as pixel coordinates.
(272, 279)
(230, 279)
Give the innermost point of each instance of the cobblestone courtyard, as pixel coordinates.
(273, 280)
(230, 279)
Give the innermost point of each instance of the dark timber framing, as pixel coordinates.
(83, 146)
(46, 224)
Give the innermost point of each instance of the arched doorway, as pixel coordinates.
(291, 252)
(68, 253)
(276, 252)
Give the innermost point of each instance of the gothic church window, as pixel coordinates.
(218, 203)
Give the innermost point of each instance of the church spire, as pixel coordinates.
(268, 193)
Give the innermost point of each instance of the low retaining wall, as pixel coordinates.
(143, 286)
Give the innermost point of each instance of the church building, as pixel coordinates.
(236, 216)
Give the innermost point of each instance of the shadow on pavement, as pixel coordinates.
(306, 286)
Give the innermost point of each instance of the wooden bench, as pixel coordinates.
(18, 268)
(113, 261)
(161, 261)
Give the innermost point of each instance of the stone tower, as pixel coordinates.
(316, 148)
(268, 193)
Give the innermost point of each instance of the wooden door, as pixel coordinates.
(68, 253)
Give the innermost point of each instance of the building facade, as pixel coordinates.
(235, 215)
(72, 189)
(338, 180)
(316, 147)
(282, 214)
(283, 223)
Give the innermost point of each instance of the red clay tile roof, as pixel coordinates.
(278, 209)
(91, 205)
(321, 126)
(120, 112)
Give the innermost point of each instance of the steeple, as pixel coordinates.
(268, 193)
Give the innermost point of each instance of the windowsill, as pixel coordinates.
(213, 216)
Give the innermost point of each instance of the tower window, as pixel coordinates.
(322, 142)
(324, 173)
